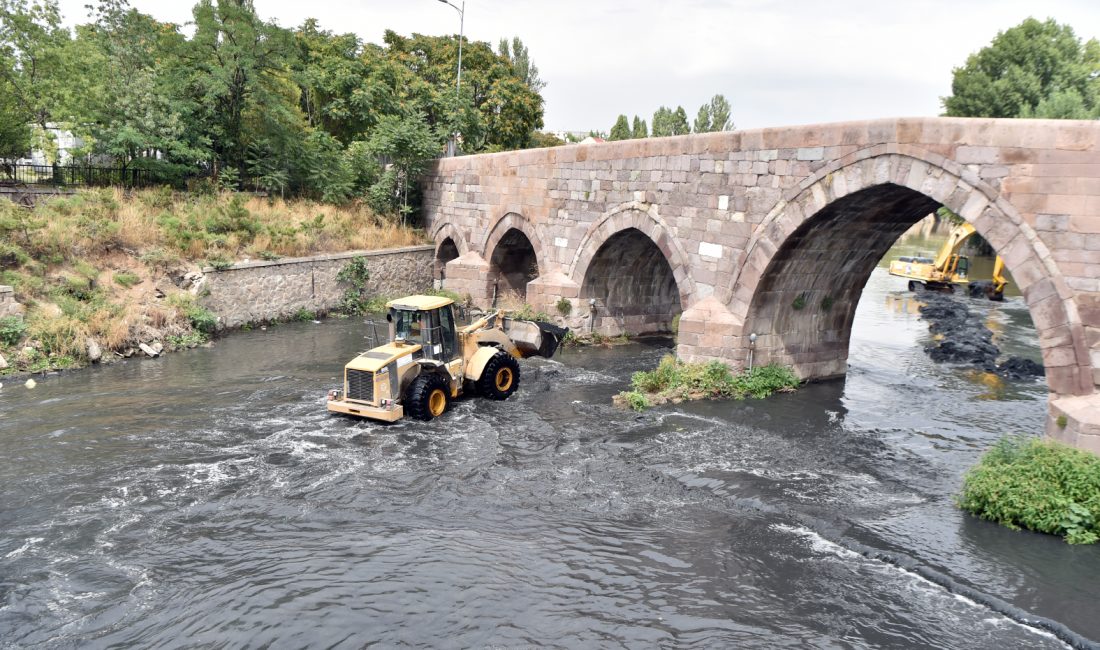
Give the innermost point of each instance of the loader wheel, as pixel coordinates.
(500, 378)
(916, 286)
(427, 397)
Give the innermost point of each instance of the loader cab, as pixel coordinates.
(427, 321)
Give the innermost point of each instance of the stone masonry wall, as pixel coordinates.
(251, 292)
(8, 305)
(729, 211)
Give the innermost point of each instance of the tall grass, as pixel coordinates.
(97, 265)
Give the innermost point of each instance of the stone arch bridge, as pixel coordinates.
(774, 232)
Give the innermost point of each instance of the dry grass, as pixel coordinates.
(70, 250)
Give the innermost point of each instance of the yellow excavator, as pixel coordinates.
(949, 269)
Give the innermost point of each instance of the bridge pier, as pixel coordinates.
(468, 275)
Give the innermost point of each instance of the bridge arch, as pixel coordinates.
(513, 249)
(449, 245)
(635, 270)
(808, 261)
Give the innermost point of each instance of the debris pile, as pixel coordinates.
(961, 337)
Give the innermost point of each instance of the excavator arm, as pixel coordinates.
(951, 247)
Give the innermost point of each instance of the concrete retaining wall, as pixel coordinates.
(251, 292)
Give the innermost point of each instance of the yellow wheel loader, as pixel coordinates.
(430, 361)
(949, 269)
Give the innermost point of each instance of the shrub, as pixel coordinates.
(355, 273)
(564, 306)
(126, 279)
(1039, 485)
(635, 400)
(12, 329)
(676, 380)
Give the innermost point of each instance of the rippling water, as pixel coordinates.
(207, 498)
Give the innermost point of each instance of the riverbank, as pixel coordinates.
(103, 274)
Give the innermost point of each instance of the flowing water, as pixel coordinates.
(208, 499)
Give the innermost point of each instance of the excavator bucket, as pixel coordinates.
(534, 338)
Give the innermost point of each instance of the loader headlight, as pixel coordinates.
(333, 394)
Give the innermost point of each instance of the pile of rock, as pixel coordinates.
(961, 337)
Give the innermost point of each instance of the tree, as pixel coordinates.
(679, 122)
(621, 130)
(522, 64)
(702, 119)
(36, 60)
(640, 130)
(131, 111)
(407, 143)
(720, 114)
(15, 132)
(662, 122)
(239, 80)
(1032, 64)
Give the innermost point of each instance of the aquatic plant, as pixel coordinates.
(674, 381)
(1039, 485)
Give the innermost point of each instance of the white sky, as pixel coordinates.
(779, 62)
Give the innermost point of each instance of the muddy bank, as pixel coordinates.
(961, 337)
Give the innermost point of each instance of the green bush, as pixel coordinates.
(675, 380)
(201, 319)
(1039, 485)
(635, 400)
(126, 279)
(12, 329)
(564, 306)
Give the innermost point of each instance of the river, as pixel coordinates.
(208, 499)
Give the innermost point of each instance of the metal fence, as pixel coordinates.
(84, 176)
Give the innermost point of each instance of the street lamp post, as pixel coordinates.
(452, 145)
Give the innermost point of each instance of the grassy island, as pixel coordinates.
(1039, 485)
(677, 381)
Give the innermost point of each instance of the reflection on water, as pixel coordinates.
(208, 499)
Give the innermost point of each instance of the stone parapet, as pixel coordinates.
(260, 291)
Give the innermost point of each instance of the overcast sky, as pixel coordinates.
(778, 62)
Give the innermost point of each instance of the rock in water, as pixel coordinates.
(3, 363)
(95, 353)
(158, 347)
(148, 350)
(31, 383)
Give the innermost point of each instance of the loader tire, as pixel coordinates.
(500, 377)
(427, 397)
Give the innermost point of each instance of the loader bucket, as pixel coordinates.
(534, 338)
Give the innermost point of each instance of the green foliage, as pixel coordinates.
(669, 122)
(303, 314)
(564, 306)
(12, 330)
(799, 302)
(714, 116)
(200, 318)
(188, 340)
(621, 129)
(355, 300)
(1036, 69)
(524, 68)
(827, 303)
(677, 380)
(635, 400)
(527, 312)
(1061, 421)
(1038, 485)
(639, 129)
